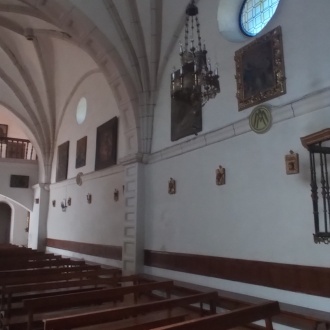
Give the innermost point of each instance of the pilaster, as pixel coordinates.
(38, 217)
(133, 236)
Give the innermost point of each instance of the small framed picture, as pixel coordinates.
(171, 186)
(292, 163)
(3, 130)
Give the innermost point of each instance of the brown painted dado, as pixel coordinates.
(304, 279)
(97, 250)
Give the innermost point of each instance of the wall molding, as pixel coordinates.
(296, 278)
(96, 250)
(309, 103)
(113, 170)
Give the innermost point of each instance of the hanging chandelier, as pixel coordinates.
(194, 81)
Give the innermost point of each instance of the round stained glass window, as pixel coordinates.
(255, 14)
(81, 110)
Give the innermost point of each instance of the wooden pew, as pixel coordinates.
(45, 271)
(18, 293)
(108, 315)
(33, 264)
(19, 251)
(229, 320)
(43, 256)
(93, 272)
(69, 301)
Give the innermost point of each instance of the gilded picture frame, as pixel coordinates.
(260, 74)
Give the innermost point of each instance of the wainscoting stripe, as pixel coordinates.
(296, 278)
(97, 250)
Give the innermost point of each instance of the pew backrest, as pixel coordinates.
(108, 315)
(229, 320)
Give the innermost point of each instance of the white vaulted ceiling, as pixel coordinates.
(44, 44)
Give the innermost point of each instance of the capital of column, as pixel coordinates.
(134, 158)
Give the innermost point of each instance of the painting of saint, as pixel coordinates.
(106, 144)
(62, 161)
(81, 152)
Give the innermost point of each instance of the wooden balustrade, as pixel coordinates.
(16, 148)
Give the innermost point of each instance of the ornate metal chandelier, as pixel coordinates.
(194, 81)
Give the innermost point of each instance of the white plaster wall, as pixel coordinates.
(305, 44)
(259, 205)
(101, 107)
(101, 221)
(261, 213)
(18, 235)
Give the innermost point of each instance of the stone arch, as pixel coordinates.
(84, 33)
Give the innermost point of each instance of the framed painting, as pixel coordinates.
(186, 113)
(3, 130)
(106, 144)
(81, 152)
(260, 72)
(19, 181)
(62, 161)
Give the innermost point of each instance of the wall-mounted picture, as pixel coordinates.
(3, 130)
(81, 152)
(106, 144)
(292, 163)
(62, 161)
(19, 181)
(171, 186)
(260, 72)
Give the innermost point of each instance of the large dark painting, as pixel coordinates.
(81, 152)
(19, 181)
(260, 70)
(62, 161)
(106, 144)
(186, 110)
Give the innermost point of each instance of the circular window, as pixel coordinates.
(81, 110)
(255, 14)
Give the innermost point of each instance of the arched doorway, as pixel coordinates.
(5, 220)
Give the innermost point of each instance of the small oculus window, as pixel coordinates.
(255, 14)
(81, 110)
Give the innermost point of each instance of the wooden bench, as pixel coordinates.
(19, 251)
(94, 272)
(42, 256)
(114, 314)
(229, 320)
(291, 315)
(45, 271)
(16, 294)
(34, 264)
(97, 297)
